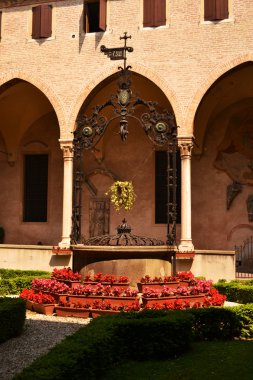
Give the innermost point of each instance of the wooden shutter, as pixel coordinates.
(148, 13)
(102, 14)
(160, 12)
(221, 9)
(36, 22)
(46, 21)
(0, 24)
(209, 10)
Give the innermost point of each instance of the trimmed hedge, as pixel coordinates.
(236, 291)
(12, 317)
(214, 323)
(158, 334)
(110, 339)
(11, 273)
(14, 281)
(244, 315)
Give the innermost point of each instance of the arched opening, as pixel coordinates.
(31, 167)
(129, 125)
(130, 157)
(222, 175)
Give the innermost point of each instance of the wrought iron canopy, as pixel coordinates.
(159, 126)
(123, 106)
(124, 237)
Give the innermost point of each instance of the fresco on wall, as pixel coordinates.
(235, 153)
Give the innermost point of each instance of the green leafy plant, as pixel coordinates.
(122, 195)
(236, 291)
(12, 317)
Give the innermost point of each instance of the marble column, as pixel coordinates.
(185, 145)
(67, 148)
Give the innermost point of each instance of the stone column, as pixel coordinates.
(185, 145)
(67, 148)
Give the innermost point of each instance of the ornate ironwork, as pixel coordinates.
(250, 207)
(160, 128)
(99, 216)
(244, 259)
(123, 238)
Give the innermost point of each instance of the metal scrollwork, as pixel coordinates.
(160, 127)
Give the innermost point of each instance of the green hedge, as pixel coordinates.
(244, 314)
(236, 291)
(14, 281)
(16, 284)
(110, 339)
(12, 317)
(214, 323)
(146, 335)
(12, 273)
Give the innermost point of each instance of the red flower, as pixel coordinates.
(123, 279)
(66, 274)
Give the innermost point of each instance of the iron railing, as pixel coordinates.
(244, 259)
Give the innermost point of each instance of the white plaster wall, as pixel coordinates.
(32, 258)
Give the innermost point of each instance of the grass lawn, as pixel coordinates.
(208, 360)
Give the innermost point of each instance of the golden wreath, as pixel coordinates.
(122, 195)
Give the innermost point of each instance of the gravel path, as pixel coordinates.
(18, 353)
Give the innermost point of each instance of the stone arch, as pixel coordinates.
(207, 83)
(138, 69)
(40, 85)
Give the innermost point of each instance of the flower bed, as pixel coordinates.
(181, 278)
(47, 309)
(93, 308)
(102, 293)
(40, 302)
(66, 274)
(213, 298)
(49, 285)
(106, 279)
(117, 296)
(62, 311)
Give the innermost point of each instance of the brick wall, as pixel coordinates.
(183, 58)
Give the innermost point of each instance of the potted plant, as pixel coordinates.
(68, 309)
(84, 293)
(43, 303)
(185, 278)
(106, 279)
(67, 276)
(28, 295)
(157, 282)
(58, 290)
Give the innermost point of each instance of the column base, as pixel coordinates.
(65, 243)
(186, 246)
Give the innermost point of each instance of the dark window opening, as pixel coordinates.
(42, 21)
(215, 10)
(1, 25)
(35, 188)
(95, 16)
(161, 182)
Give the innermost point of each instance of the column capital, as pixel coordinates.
(185, 144)
(67, 148)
